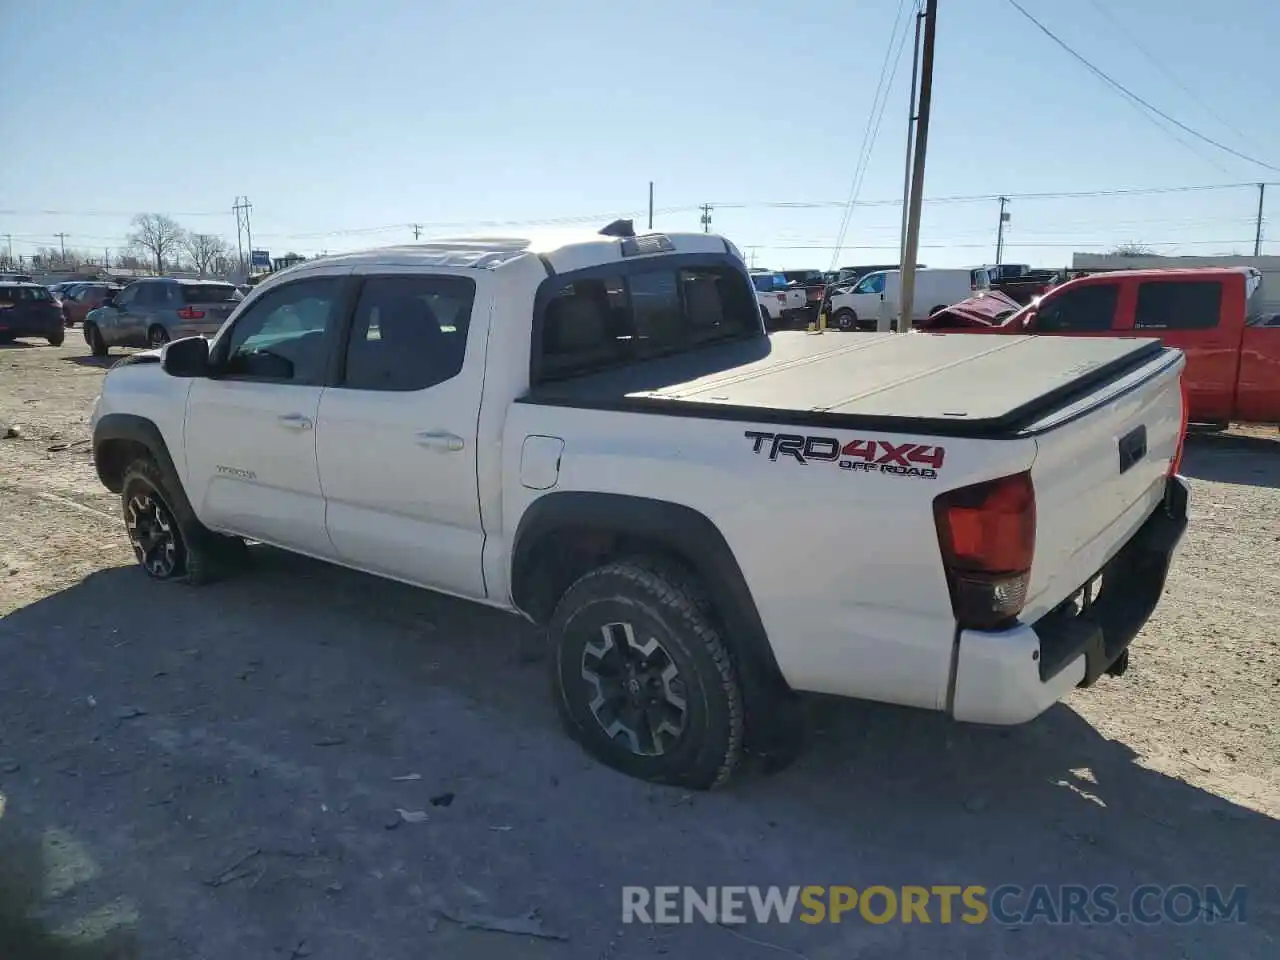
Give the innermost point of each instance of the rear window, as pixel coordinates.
(18, 294)
(596, 323)
(1178, 305)
(207, 292)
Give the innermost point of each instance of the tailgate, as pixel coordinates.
(1099, 472)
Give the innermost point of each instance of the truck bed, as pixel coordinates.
(954, 385)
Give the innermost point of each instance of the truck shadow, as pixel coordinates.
(1233, 458)
(337, 680)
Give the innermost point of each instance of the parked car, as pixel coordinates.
(29, 310)
(779, 302)
(80, 298)
(16, 278)
(152, 312)
(601, 437)
(875, 300)
(1218, 316)
(814, 284)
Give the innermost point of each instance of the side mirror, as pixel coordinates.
(188, 357)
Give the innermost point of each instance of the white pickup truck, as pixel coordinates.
(600, 436)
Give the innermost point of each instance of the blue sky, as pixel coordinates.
(344, 122)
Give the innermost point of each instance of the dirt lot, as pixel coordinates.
(216, 772)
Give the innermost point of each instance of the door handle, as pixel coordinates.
(294, 421)
(440, 440)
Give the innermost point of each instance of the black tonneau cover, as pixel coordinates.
(952, 384)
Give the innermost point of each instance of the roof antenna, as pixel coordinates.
(619, 228)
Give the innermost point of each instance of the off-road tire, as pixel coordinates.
(202, 556)
(846, 319)
(93, 337)
(663, 602)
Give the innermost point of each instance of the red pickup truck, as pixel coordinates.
(1216, 315)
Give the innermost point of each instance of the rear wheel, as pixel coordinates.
(93, 337)
(157, 336)
(56, 339)
(846, 319)
(641, 677)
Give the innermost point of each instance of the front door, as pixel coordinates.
(250, 429)
(113, 322)
(396, 435)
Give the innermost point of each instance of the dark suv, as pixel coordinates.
(150, 313)
(29, 310)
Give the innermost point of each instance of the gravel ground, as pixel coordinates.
(217, 772)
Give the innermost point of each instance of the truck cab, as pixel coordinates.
(1218, 316)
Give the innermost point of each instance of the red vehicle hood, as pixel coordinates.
(988, 310)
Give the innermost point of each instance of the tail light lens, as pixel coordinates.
(987, 533)
(190, 313)
(1176, 464)
(782, 297)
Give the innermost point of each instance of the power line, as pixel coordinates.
(1116, 84)
(1155, 61)
(871, 131)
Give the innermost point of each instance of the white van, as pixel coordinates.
(875, 301)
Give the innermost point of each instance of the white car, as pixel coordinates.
(779, 303)
(876, 300)
(599, 436)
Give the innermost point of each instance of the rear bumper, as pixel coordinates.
(1011, 676)
(51, 327)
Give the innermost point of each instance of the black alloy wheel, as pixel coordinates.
(637, 697)
(154, 534)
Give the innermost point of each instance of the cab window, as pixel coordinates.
(871, 283)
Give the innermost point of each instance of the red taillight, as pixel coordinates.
(1176, 464)
(190, 313)
(987, 533)
(782, 297)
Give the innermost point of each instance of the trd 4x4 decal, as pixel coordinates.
(865, 456)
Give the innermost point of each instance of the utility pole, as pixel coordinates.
(911, 131)
(417, 230)
(1004, 218)
(1257, 236)
(241, 208)
(650, 204)
(62, 237)
(9, 237)
(706, 217)
(911, 247)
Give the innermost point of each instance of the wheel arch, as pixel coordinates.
(564, 534)
(119, 439)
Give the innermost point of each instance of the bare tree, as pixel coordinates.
(205, 250)
(1133, 250)
(158, 234)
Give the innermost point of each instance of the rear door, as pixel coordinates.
(1187, 313)
(396, 435)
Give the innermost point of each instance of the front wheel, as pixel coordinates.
(846, 319)
(641, 678)
(93, 337)
(167, 539)
(157, 337)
